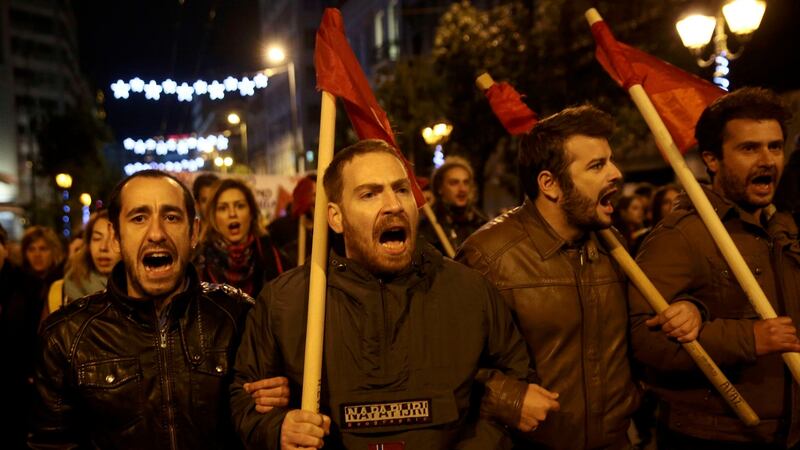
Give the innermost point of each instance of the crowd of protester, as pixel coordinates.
(231, 245)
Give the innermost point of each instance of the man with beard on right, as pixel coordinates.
(741, 138)
(567, 294)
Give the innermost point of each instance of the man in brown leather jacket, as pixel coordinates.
(145, 364)
(741, 137)
(567, 294)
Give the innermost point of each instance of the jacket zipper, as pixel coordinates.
(173, 443)
(385, 350)
(578, 274)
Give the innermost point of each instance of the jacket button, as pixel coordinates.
(196, 357)
(110, 379)
(758, 271)
(218, 369)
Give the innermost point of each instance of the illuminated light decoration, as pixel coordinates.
(137, 85)
(152, 90)
(721, 70)
(438, 156)
(182, 146)
(200, 87)
(246, 87)
(184, 165)
(216, 90)
(120, 89)
(231, 84)
(169, 86)
(222, 142)
(139, 148)
(261, 81)
(184, 92)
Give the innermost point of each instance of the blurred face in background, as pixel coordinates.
(456, 185)
(232, 216)
(633, 215)
(203, 198)
(39, 256)
(104, 255)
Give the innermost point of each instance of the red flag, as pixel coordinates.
(508, 106)
(678, 96)
(339, 73)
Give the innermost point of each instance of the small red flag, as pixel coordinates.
(509, 108)
(678, 96)
(339, 73)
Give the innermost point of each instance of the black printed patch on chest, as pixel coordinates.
(380, 414)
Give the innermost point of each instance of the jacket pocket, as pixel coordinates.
(209, 386)
(112, 389)
(731, 301)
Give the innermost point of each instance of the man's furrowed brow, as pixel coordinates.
(144, 209)
(172, 209)
(401, 182)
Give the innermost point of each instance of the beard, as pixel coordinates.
(735, 186)
(581, 210)
(363, 246)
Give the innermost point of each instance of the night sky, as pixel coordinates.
(159, 39)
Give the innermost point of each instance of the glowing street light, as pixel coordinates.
(64, 180)
(276, 55)
(696, 31)
(234, 118)
(86, 201)
(436, 135)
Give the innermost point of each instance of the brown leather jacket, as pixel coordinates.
(571, 308)
(682, 260)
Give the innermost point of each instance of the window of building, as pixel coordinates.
(393, 28)
(378, 29)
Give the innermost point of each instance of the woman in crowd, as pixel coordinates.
(663, 200)
(235, 249)
(629, 218)
(89, 268)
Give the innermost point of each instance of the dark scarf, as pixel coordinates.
(232, 264)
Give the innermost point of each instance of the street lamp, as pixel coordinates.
(276, 55)
(223, 163)
(436, 135)
(64, 181)
(235, 119)
(743, 18)
(86, 201)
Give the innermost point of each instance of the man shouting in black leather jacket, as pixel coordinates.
(146, 363)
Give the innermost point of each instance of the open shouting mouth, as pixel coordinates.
(158, 262)
(607, 200)
(394, 239)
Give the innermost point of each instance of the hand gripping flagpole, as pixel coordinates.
(315, 326)
(704, 209)
(657, 302)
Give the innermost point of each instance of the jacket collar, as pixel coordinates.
(425, 262)
(143, 310)
(545, 239)
(725, 208)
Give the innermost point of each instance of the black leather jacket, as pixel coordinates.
(111, 376)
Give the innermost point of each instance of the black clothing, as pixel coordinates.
(110, 377)
(457, 223)
(410, 345)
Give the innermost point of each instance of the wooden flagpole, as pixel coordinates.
(704, 209)
(695, 350)
(437, 227)
(315, 327)
(301, 240)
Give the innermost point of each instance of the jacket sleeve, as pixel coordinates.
(505, 366)
(504, 392)
(671, 262)
(258, 357)
(56, 423)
